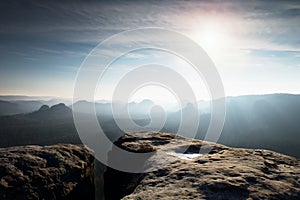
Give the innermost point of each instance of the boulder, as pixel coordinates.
(49, 172)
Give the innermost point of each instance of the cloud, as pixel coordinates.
(61, 33)
(92, 21)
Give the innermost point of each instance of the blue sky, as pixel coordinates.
(254, 44)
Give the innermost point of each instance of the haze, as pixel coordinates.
(254, 46)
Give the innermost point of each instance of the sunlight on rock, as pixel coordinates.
(184, 156)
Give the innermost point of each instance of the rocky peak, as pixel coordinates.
(224, 173)
(44, 108)
(61, 107)
(58, 111)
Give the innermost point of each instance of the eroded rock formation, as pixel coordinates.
(180, 172)
(224, 173)
(50, 172)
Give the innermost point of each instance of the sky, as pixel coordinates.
(255, 45)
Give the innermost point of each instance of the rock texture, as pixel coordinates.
(50, 172)
(224, 173)
(67, 172)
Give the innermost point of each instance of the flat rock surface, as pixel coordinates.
(224, 173)
(49, 172)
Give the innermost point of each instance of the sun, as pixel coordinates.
(212, 37)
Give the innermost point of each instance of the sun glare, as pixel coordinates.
(213, 38)
(155, 93)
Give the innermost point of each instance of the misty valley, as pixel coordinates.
(256, 122)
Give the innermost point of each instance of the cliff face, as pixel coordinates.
(50, 172)
(225, 173)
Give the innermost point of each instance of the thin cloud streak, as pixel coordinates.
(50, 35)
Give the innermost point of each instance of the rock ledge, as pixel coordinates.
(224, 173)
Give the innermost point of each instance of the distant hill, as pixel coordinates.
(56, 112)
(254, 121)
(18, 107)
(46, 126)
(104, 109)
(12, 105)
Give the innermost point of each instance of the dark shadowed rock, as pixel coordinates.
(224, 173)
(43, 108)
(56, 112)
(50, 172)
(61, 107)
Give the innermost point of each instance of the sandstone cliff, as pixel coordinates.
(225, 173)
(67, 172)
(50, 172)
